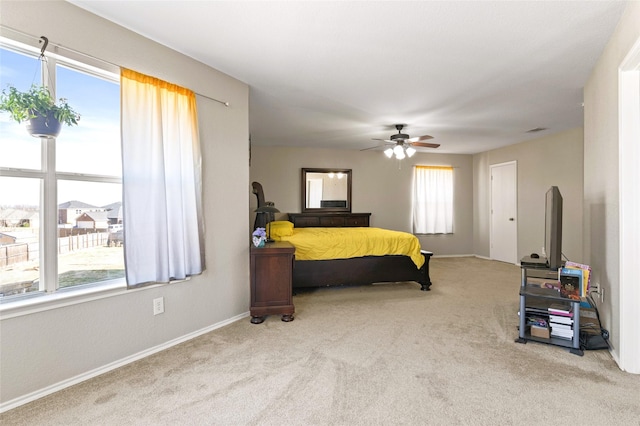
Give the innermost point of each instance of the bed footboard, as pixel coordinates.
(361, 271)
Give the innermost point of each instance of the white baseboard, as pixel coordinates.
(6, 406)
(482, 257)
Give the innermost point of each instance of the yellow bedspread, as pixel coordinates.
(344, 243)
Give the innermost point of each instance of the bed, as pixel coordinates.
(353, 255)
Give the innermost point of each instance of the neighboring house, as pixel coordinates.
(93, 220)
(70, 211)
(114, 212)
(19, 218)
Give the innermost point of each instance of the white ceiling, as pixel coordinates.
(475, 75)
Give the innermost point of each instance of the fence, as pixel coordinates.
(79, 242)
(11, 254)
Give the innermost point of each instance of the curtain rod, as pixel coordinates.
(77, 52)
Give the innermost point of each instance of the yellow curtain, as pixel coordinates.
(162, 180)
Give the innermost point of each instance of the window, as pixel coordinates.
(433, 200)
(60, 198)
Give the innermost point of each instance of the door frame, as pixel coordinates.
(629, 194)
(513, 163)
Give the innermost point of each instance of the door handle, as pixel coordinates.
(511, 219)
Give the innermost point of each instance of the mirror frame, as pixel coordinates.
(303, 191)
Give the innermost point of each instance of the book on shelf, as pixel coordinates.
(561, 331)
(571, 283)
(534, 310)
(560, 319)
(559, 326)
(562, 336)
(586, 275)
(537, 306)
(537, 321)
(560, 309)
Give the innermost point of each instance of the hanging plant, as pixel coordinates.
(39, 107)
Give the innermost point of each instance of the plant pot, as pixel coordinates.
(44, 127)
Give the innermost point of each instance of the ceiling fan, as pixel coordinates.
(402, 144)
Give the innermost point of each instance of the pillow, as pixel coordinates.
(280, 224)
(279, 228)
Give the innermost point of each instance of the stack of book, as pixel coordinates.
(584, 271)
(561, 320)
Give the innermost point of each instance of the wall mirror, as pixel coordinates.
(326, 190)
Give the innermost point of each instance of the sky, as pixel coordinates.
(91, 147)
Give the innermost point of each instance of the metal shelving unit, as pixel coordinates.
(528, 292)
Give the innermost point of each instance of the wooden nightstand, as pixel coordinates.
(271, 280)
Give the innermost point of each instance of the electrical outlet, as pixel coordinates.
(158, 306)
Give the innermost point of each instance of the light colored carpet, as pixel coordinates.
(387, 354)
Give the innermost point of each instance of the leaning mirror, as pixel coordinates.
(326, 190)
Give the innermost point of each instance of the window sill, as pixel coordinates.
(30, 304)
(26, 305)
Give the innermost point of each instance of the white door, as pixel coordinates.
(314, 192)
(504, 210)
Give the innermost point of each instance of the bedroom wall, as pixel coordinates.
(44, 350)
(551, 160)
(601, 179)
(380, 186)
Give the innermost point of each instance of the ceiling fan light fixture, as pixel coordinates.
(402, 145)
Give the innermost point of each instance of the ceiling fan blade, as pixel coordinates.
(420, 138)
(383, 140)
(373, 147)
(425, 145)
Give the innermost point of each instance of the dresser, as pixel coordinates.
(329, 219)
(271, 281)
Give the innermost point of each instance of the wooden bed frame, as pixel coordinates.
(360, 271)
(353, 271)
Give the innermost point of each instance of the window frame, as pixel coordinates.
(49, 177)
(450, 207)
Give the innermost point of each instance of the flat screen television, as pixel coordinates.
(553, 228)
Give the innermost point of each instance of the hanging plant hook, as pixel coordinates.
(44, 40)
